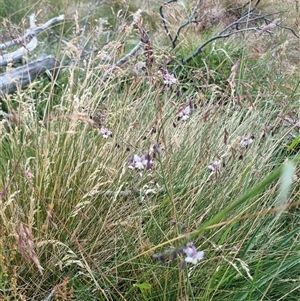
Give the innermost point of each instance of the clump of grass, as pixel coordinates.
(94, 223)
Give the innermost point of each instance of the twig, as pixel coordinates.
(189, 21)
(244, 5)
(164, 20)
(225, 33)
(31, 33)
(200, 49)
(182, 26)
(285, 27)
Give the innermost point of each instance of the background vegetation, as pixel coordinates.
(77, 223)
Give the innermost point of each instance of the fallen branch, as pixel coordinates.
(30, 35)
(17, 55)
(24, 75)
(32, 31)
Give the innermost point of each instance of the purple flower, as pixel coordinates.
(184, 113)
(138, 162)
(28, 174)
(192, 255)
(156, 150)
(246, 141)
(105, 133)
(214, 166)
(169, 79)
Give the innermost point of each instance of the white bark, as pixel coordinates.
(24, 75)
(32, 31)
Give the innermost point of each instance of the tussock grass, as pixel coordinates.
(95, 223)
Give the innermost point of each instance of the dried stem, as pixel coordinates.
(189, 21)
(249, 18)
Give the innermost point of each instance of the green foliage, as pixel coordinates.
(14, 11)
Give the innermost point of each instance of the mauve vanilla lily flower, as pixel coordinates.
(28, 174)
(214, 166)
(105, 133)
(246, 141)
(142, 162)
(192, 255)
(169, 79)
(184, 113)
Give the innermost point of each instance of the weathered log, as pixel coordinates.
(24, 75)
(17, 55)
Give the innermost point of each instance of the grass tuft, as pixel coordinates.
(220, 169)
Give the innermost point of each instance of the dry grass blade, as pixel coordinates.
(26, 246)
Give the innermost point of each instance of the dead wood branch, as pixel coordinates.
(190, 20)
(24, 75)
(248, 21)
(237, 27)
(17, 55)
(32, 31)
(30, 36)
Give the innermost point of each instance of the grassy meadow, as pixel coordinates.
(116, 174)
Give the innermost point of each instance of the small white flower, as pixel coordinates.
(138, 164)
